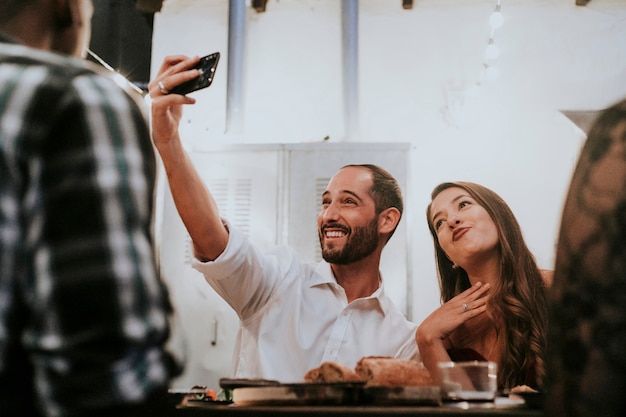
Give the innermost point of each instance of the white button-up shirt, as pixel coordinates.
(294, 315)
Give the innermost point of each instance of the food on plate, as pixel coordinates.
(312, 375)
(331, 372)
(375, 371)
(389, 372)
(522, 388)
(533, 398)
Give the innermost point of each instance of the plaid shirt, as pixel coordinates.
(83, 314)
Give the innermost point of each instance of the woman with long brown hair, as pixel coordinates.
(492, 291)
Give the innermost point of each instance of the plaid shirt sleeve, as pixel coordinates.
(82, 309)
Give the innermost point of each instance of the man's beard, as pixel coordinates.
(362, 242)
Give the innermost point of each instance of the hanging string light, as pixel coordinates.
(496, 19)
(492, 52)
(461, 103)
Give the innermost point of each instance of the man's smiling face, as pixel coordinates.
(348, 223)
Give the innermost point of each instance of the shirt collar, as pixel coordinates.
(324, 276)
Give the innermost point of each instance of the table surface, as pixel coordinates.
(208, 409)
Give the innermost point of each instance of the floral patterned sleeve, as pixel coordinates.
(587, 343)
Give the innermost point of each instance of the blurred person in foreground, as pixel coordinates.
(587, 343)
(83, 314)
(493, 293)
(294, 314)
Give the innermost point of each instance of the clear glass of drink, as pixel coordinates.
(473, 381)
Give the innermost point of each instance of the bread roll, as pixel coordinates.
(312, 375)
(389, 372)
(331, 372)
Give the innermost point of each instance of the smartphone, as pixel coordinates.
(207, 67)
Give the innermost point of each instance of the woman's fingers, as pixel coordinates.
(475, 292)
(466, 305)
(477, 289)
(474, 309)
(471, 300)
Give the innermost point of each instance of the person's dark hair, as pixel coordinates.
(519, 299)
(586, 373)
(10, 8)
(385, 191)
(600, 136)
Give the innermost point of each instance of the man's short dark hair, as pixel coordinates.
(385, 191)
(10, 8)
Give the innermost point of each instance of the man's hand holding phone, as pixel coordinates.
(206, 67)
(178, 75)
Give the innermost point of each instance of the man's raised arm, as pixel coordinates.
(194, 202)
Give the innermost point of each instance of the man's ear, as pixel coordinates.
(388, 219)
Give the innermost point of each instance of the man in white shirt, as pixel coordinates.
(294, 315)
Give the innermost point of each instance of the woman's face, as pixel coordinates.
(465, 231)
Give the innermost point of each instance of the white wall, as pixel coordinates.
(509, 136)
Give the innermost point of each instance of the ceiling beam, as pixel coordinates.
(259, 5)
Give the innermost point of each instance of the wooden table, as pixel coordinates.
(211, 410)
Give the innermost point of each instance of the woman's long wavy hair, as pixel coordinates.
(518, 300)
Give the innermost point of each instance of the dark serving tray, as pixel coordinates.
(342, 393)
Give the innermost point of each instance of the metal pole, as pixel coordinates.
(350, 45)
(234, 84)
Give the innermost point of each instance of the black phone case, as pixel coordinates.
(207, 66)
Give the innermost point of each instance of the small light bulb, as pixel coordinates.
(492, 73)
(496, 20)
(492, 51)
